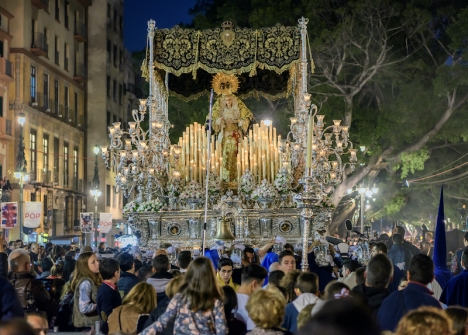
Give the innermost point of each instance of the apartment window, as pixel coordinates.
(57, 51)
(46, 42)
(32, 153)
(33, 84)
(109, 51)
(121, 24)
(56, 97)
(108, 12)
(114, 118)
(1, 47)
(108, 195)
(46, 91)
(76, 107)
(65, 164)
(108, 87)
(121, 60)
(45, 152)
(114, 90)
(108, 118)
(66, 97)
(120, 94)
(1, 108)
(57, 10)
(65, 56)
(33, 31)
(115, 55)
(115, 19)
(56, 159)
(67, 8)
(75, 167)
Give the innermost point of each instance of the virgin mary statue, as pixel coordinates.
(231, 122)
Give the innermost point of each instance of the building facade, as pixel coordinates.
(111, 97)
(49, 54)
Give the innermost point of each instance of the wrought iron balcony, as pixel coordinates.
(6, 70)
(40, 4)
(39, 45)
(80, 31)
(80, 73)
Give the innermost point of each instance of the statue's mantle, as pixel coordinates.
(185, 227)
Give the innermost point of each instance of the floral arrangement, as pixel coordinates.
(283, 181)
(192, 190)
(264, 191)
(214, 186)
(174, 188)
(326, 203)
(145, 206)
(246, 183)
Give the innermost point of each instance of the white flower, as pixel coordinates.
(192, 191)
(246, 183)
(283, 181)
(264, 191)
(214, 186)
(145, 206)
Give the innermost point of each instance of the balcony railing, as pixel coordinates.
(81, 122)
(42, 102)
(80, 31)
(39, 45)
(80, 73)
(6, 70)
(5, 129)
(47, 177)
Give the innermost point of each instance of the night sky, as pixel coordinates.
(166, 13)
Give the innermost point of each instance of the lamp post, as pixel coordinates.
(21, 169)
(369, 193)
(95, 189)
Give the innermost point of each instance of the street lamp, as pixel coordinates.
(21, 169)
(369, 193)
(95, 188)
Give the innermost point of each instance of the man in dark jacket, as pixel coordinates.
(10, 306)
(415, 295)
(381, 248)
(31, 292)
(399, 255)
(406, 244)
(460, 252)
(127, 275)
(456, 290)
(378, 274)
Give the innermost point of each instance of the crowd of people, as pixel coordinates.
(398, 291)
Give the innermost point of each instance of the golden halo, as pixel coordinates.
(224, 84)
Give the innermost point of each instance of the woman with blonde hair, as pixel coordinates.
(459, 317)
(198, 308)
(267, 317)
(84, 285)
(425, 321)
(135, 309)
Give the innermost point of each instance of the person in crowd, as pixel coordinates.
(381, 248)
(131, 316)
(425, 321)
(349, 273)
(38, 322)
(31, 292)
(108, 297)
(138, 266)
(34, 252)
(235, 326)
(456, 290)
(289, 284)
(307, 292)
(406, 244)
(336, 290)
(10, 305)
(267, 255)
(459, 318)
(171, 290)
(341, 317)
(45, 266)
(378, 274)
(460, 252)
(224, 273)
(127, 280)
(175, 273)
(57, 253)
(415, 295)
(11, 247)
(161, 277)
(274, 278)
(253, 277)
(250, 257)
(267, 317)
(290, 247)
(85, 284)
(399, 255)
(144, 273)
(68, 267)
(16, 327)
(56, 283)
(183, 259)
(56, 271)
(360, 276)
(286, 261)
(199, 305)
(102, 248)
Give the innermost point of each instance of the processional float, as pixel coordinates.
(253, 183)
